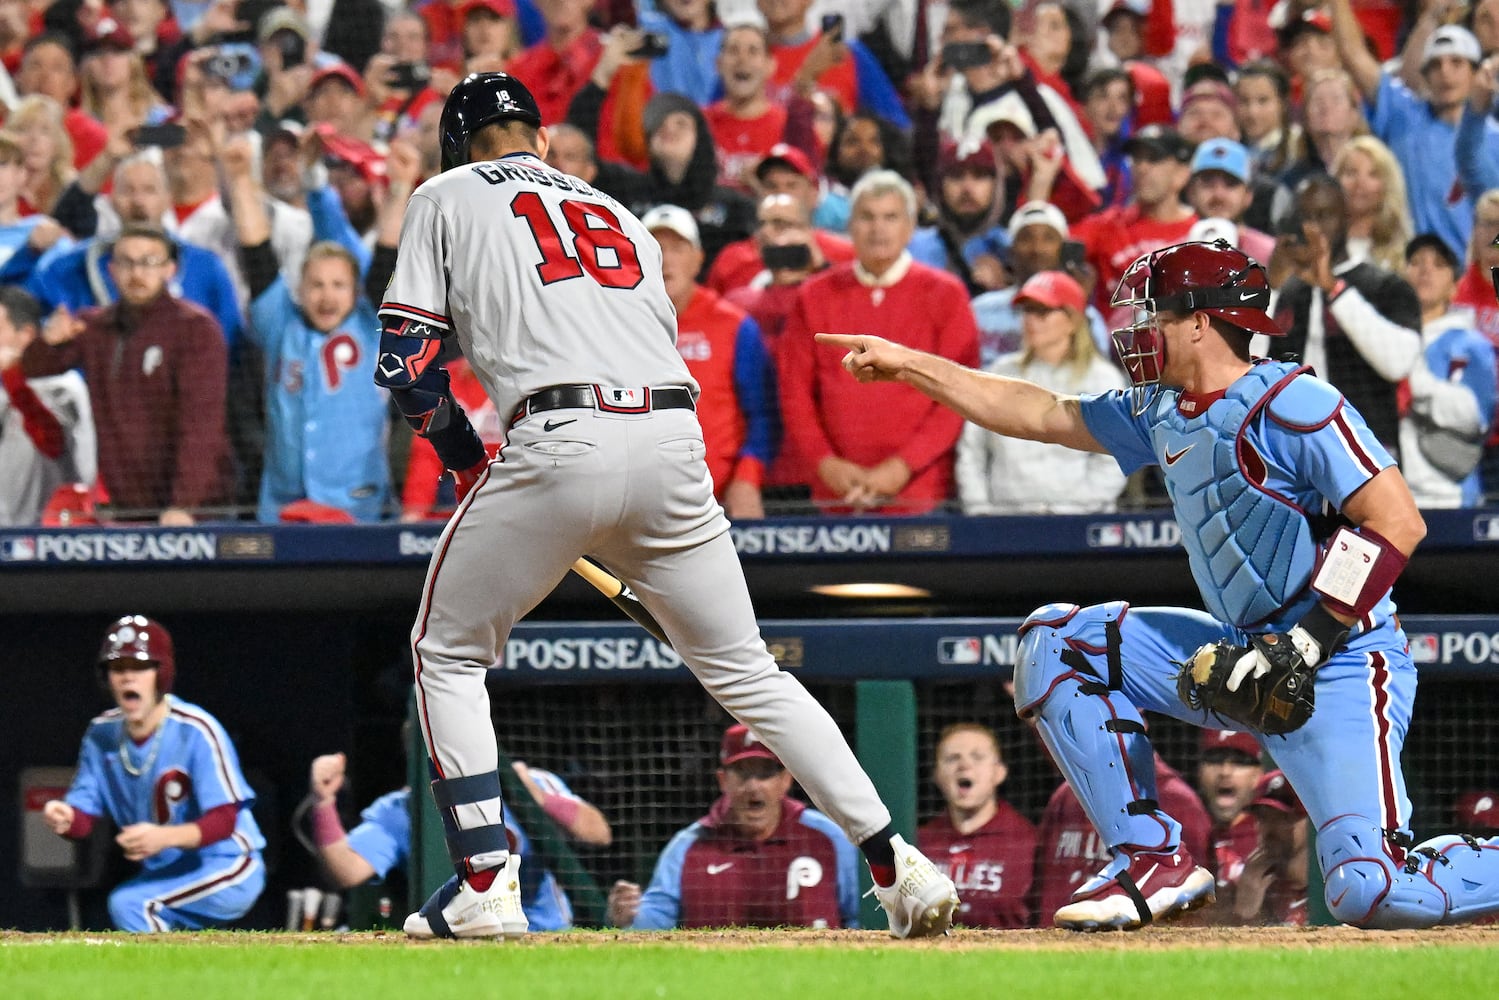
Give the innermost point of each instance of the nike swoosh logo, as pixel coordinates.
(552, 425)
(1248, 296)
(1173, 457)
(715, 869)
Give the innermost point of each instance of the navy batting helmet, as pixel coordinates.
(136, 637)
(477, 100)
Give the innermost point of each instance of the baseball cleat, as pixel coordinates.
(1135, 889)
(922, 900)
(457, 910)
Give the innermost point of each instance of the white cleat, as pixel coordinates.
(457, 910)
(1165, 885)
(922, 900)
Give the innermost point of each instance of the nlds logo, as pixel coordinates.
(1143, 534)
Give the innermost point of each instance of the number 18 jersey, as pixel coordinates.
(544, 280)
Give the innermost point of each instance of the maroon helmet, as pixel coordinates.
(136, 637)
(1212, 278)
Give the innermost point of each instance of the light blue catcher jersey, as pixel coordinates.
(325, 417)
(186, 768)
(1245, 470)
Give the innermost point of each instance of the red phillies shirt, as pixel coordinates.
(554, 78)
(1114, 238)
(992, 867)
(827, 413)
(739, 263)
(789, 879)
(708, 332)
(1228, 847)
(1072, 852)
(841, 81)
(742, 142)
(1476, 291)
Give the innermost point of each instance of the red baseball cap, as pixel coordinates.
(1274, 791)
(1054, 290)
(306, 511)
(107, 34)
(741, 743)
(70, 504)
(786, 155)
(1229, 739)
(967, 155)
(337, 71)
(499, 8)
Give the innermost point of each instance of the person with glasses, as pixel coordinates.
(156, 369)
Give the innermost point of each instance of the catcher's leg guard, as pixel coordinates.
(1358, 872)
(1066, 675)
(1446, 880)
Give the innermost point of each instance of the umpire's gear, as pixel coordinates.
(477, 100)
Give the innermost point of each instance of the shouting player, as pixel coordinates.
(165, 772)
(555, 295)
(1296, 522)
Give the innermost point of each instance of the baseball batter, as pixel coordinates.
(555, 294)
(1296, 522)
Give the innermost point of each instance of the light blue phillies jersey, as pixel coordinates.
(186, 768)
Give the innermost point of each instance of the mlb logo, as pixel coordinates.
(618, 396)
(959, 649)
(1486, 528)
(1424, 647)
(18, 548)
(1109, 535)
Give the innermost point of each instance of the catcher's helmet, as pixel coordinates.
(1213, 278)
(477, 100)
(136, 637)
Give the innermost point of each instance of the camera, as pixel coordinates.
(832, 26)
(1074, 255)
(168, 136)
(408, 76)
(966, 55)
(791, 257)
(653, 45)
(228, 65)
(292, 46)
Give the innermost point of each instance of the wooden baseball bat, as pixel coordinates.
(614, 588)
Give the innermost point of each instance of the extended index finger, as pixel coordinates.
(850, 341)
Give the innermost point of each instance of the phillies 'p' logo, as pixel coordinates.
(340, 354)
(172, 787)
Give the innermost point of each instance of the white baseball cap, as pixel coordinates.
(1452, 40)
(1038, 213)
(1208, 230)
(676, 219)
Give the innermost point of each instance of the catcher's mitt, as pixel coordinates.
(1271, 694)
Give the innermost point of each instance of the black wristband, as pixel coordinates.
(456, 442)
(1328, 632)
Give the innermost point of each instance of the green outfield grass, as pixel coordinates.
(771, 965)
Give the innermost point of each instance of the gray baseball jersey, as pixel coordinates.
(547, 283)
(544, 280)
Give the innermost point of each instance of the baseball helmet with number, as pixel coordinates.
(136, 637)
(1214, 278)
(477, 100)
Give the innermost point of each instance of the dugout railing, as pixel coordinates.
(618, 716)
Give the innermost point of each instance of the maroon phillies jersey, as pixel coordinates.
(789, 879)
(1071, 851)
(1231, 844)
(992, 867)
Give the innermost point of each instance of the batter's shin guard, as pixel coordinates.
(468, 800)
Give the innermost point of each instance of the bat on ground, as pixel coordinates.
(614, 588)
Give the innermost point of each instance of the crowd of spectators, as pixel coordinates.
(200, 203)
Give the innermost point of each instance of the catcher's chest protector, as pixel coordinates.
(1251, 550)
